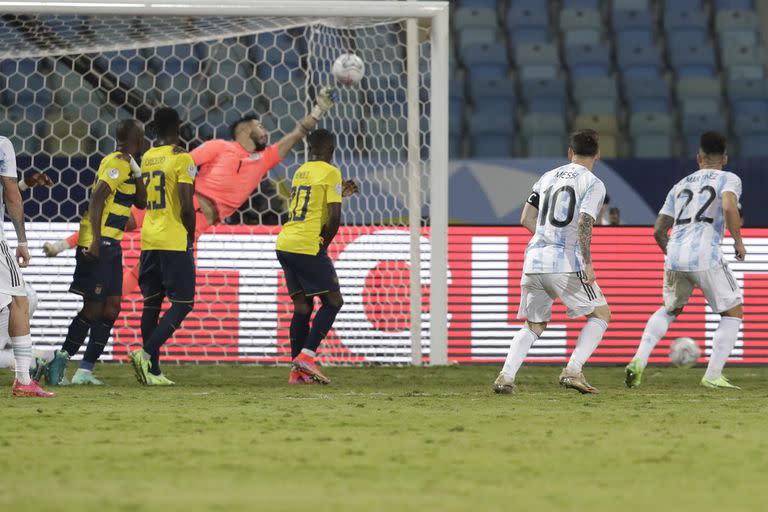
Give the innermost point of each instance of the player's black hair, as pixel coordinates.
(321, 141)
(166, 122)
(585, 142)
(124, 129)
(245, 119)
(713, 144)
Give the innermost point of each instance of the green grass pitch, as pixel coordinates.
(390, 439)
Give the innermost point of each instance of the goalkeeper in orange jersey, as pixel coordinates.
(229, 172)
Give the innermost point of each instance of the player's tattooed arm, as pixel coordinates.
(331, 225)
(586, 221)
(661, 231)
(15, 209)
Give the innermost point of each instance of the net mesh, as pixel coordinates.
(66, 80)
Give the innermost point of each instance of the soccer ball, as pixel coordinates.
(684, 352)
(348, 69)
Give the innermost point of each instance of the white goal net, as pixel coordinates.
(66, 79)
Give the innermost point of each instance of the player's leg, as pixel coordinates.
(581, 299)
(151, 284)
(178, 269)
(299, 331)
(536, 308)
(724, 295)
(677, 290)
(21, 341)
(6, 350)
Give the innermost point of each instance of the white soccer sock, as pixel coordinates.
(22, 352)
(589, 339)
(723, 342)
(655, 329)
(6, 359)
(307, 352)
(519, 348)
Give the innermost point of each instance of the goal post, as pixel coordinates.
(56, 40)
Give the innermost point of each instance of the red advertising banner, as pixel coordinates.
(242, 310)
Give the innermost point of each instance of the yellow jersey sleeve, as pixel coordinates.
(114, 172)
(333, 186)
(186, 170)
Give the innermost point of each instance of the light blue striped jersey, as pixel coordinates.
(564, 194)
(696, 205)
(7, 168)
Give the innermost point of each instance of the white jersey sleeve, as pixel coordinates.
(668, 208)
(733, 184)
(593, 197)
(7, 159)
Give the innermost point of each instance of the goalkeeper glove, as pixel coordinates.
(323, 103)
(135, 169)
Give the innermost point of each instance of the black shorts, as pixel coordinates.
(168, 273)
(97, 279)
(312, 275)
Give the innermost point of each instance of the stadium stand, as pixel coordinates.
(650, 74)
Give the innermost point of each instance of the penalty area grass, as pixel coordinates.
(239, 438)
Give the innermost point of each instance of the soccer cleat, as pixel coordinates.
(576, 381)
(56, 368)
(306, 365)
(49, 249)
(719, 383)
(158, 380)
(39, 371)
(83, 377)
(299, 378)
(633, 374)
(503, 385)
(31, 390)
(140, 364)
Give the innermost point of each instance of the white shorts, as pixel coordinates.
(539, 292)
(718, 284)
(11, 280)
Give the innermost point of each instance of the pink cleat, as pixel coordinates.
(32, 390)
(299, 378)
(306, 365)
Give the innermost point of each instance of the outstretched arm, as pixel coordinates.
(306, 125)
(661, 231)
(586, 221)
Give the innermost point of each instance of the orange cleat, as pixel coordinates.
(299, 378)
(306, 365)
(32, 389)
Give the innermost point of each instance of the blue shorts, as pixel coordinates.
(168, 273)
(308, 274)
(97, 279)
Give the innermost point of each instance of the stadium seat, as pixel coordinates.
(638, 55)
(597, 106)
(737, 37)
(750, 124)
(693, 60)
(734, 55)
(696, 124)
(488, 4)
(543, 72)
(473, 36)
(698, 88)
(546, 106)
(635, 37)
(648, 123)
(537, 54)
(608, 146)
(543, 146)
(676, 5)
(630, 4)
(529, 35)
(681, 19)
(582, 36)
(652, 146)
(491, 146)
(632, 20)
(527, 15)
(700, 105)
(687, 37)
(746, 96)
(730, 19)
(486, 60)
(503, 88)
(603, 87)
(588, 60)
(734, 4)
(751, 146)
(603, 124)
(474, 17)
(485, 123)
(648, 105)
(745, 72)
(542, 124)
(571, 19)
(543, 89)
(581, 4)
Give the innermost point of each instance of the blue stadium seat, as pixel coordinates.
(651, 124)
(632, 19)
(542, 124)
(756, 106)
(746, 72)
(581, 4)
(738, 36)
(492, 88)
(750, 124)
(571, 19)
(646, 72)
(649, 105)
(489, 4)
(582, 36)
(693, 60)
(652, 146)
(687, 37)
(699, 88)
(733, 54)
(676, 5)
(537, 54)
(527, 15)
(603, 87)
(734, 4)
(700, 106)
(635, 37)
(546, 106)
(472, 36)
(543, 146)
(484, 123)
(491, 146)
(471, 17)
(677, 19)
(747, 96)
(638, 55)
(486, 60)
(630, 4)
(736, 18)
(522, 36)
(596, 105)
(696, 124)
(544, 72)
(543, 89)
(588, 60)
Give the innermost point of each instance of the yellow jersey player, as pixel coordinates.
(314, 217)
(167, 267)
(98, 274)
